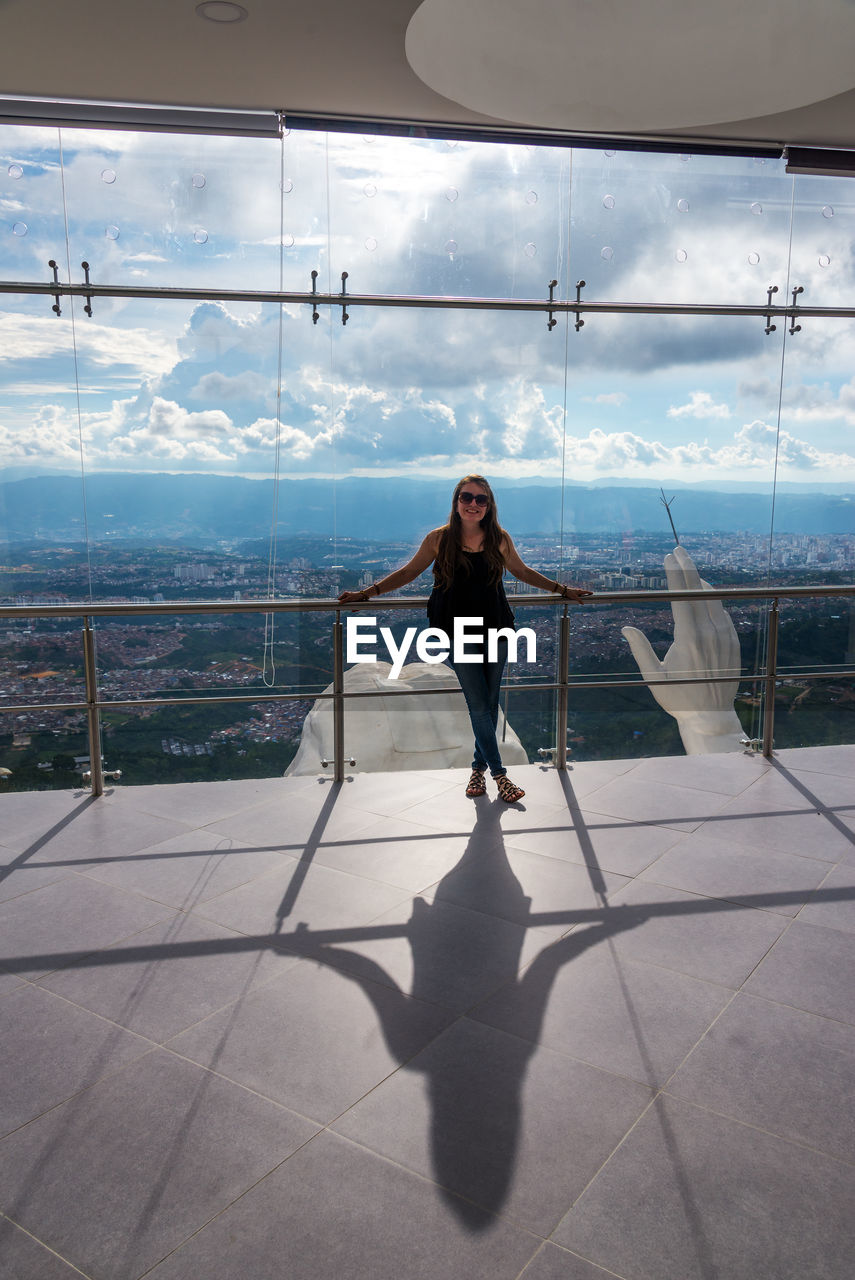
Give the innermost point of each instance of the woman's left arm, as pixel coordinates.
(518, 567)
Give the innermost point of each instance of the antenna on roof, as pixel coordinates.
(666, 503)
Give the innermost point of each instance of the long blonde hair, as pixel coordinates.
(449, 554)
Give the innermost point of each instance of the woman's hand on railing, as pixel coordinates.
(349, 597)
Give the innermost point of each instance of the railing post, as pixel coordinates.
(338, 699)
(563, 690)
(771, 675)
(96, 773)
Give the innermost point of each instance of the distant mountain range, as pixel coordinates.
(205, 508)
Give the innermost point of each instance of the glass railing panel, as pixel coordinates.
(394, 724)
(815, 636)
(42, 745)
(614, 715)
(814, 540)
(206, 659)
(422, 216)
(173, 209)
(679, 228)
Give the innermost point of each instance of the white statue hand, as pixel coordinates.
(705, 644)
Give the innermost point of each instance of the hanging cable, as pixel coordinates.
(333, 432)
(76, 375)
(762, 641)
(268, 669)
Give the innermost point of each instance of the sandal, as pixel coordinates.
(476, 786)
(508, 791)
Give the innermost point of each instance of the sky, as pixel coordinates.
(241, 388)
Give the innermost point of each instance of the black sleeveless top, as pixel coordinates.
(471, 595)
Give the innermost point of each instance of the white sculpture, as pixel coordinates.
(384, 734)
(705, 644)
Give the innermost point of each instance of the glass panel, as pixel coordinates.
(41, 663)
(815, 635)
(43, 551)
(669, 228)
(173, 209)
(582, 432)
(32, 225)
(415, 216)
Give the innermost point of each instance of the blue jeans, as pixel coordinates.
(481, 682)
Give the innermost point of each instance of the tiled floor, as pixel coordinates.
(378, 1031)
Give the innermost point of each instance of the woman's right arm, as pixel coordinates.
(424, 557)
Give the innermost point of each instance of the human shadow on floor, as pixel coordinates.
(477, 921)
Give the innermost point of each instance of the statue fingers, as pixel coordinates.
(641, 649)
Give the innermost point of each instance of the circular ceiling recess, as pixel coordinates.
(621, 65)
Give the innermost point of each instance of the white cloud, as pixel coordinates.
(701, 405)
(752, 447)
(615, 398)
(51, 434)
(26, 337)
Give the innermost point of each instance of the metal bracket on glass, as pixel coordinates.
(344, 316)
(88, 307)
(770, 328)
(55, 306)
(325, 764)
(551, 322)
(753, 744)
(315, 314)
(580, 285)
(796, 328)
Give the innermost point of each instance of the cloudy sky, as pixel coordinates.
(183, 385)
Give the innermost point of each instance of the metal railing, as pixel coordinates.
(93, 704)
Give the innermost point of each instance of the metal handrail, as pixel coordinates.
(299, 604)
(296, 297)
(93, 704)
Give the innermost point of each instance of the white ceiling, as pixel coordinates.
(770, 71)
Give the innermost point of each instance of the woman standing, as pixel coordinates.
(469, 555)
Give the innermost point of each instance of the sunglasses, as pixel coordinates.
(480, 499)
